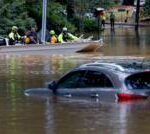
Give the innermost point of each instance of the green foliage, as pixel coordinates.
(85, 24)
(89, 25)
(27, 13)
(70, 9)
(147, 8)
(14, 13)
(57, 18)
(128, 2)
(34, 9)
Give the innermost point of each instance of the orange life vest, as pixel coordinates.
(53, 40)
(27, 40)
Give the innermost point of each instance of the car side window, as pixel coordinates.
(71, 80)
(95, 79)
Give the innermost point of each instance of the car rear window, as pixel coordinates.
(138, 81)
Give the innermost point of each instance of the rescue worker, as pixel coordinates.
(103, 17)
(27, 39)
(65, 36)
(13, 36)
(53, 38)
(31, 36)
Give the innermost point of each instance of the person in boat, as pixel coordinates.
(65, 36)
(53, 37)
(14, 36)
(27, 39)
(31, 36)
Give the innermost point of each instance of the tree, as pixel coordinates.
(128, 2)
(14, 13)
(34, 9)
(60, 13)
(56, 15)
(70, 9)
(147, 8)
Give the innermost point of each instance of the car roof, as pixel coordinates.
(104, 65)
(120, 67)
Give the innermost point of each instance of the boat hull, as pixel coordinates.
(53, 48)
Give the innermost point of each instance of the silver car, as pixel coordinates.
(99, 80)
(102, 80)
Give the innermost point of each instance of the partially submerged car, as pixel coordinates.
(104, 80)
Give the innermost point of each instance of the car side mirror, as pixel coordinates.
(52, 85)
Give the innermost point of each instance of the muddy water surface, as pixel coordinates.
(47, 115)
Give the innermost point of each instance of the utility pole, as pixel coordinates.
(44, 15)
(137, 15)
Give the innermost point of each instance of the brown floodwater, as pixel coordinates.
(20, 114)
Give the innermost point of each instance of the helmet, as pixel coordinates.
(52, 32)
(14, 27)
(64, 29)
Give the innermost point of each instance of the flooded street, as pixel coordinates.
(120, 42)
(48, 115)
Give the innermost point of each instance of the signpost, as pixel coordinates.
(44, 15)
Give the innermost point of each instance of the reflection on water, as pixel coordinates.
(126, 41)
(54, 115)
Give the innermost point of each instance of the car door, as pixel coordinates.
(84, 83)
(97, 84)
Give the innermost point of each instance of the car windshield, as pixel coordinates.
(138, 81)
